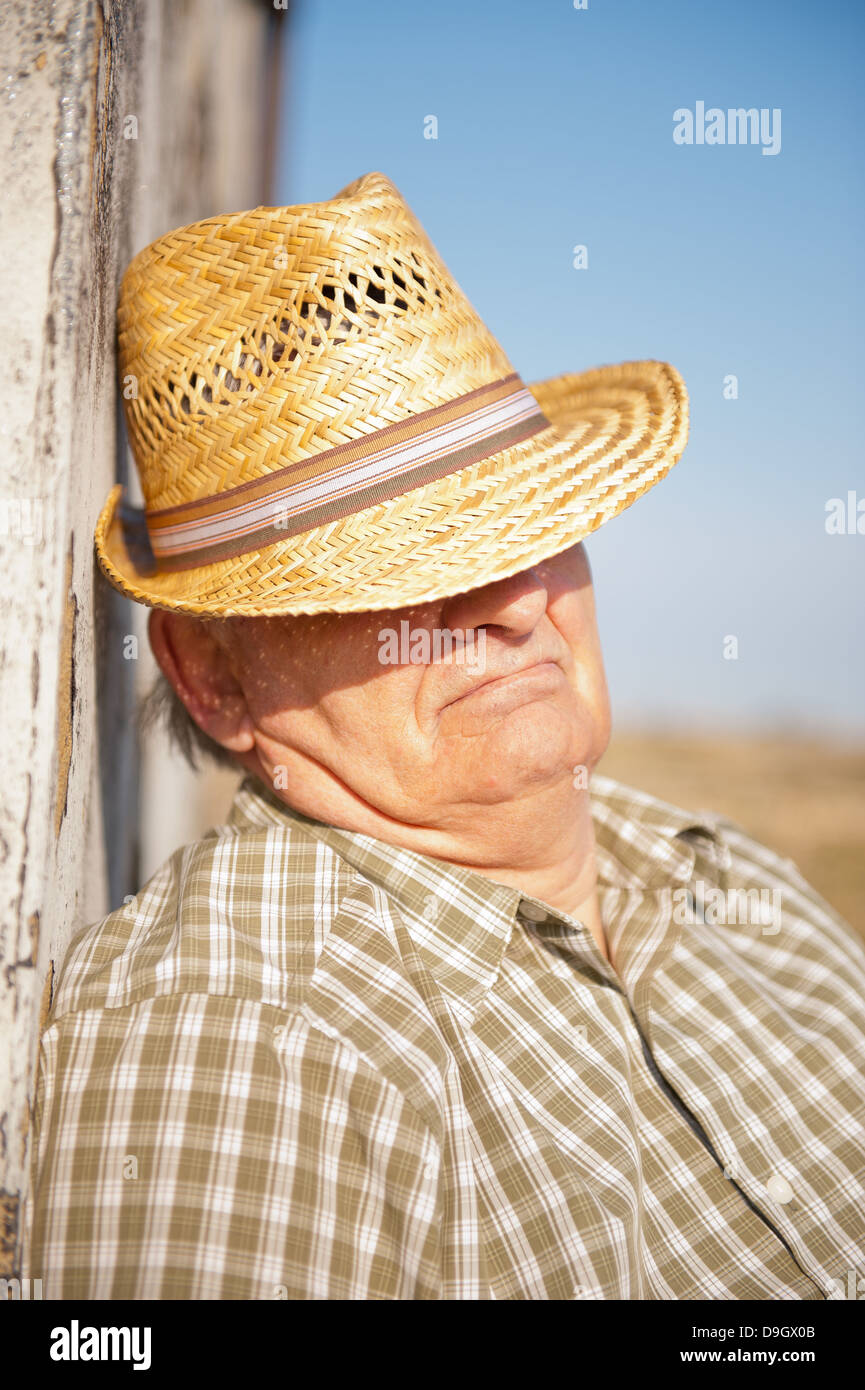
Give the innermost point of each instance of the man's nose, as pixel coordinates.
(516, 605)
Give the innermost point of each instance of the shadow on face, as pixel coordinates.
(471, 699)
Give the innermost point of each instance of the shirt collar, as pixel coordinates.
(461, 921)
(645, 843)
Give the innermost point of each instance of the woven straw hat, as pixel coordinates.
(322, 422)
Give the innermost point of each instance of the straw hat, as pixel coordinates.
(322, 422)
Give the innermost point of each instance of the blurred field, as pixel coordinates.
(804, 799)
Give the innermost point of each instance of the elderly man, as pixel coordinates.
(433, 1015)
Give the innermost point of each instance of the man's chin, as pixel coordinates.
(525, 751)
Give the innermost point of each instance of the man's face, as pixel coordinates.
(428, 745)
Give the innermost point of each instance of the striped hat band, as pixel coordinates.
(334, 483)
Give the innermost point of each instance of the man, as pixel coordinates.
(430, 1016)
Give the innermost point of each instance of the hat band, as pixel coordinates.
(348, 478)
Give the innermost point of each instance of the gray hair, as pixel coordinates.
(163, 706)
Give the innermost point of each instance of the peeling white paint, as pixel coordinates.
(79, 200)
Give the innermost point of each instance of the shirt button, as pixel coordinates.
(532, 912)
(779, 1189)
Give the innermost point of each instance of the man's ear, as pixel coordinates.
(198, 667)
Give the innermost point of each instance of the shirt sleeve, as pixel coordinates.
(208, 1147)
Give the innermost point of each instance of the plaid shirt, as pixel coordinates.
(305, 1064)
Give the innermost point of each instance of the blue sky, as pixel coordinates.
(555, 128)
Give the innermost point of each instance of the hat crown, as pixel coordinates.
(256, 340)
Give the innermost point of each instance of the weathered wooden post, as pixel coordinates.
(120, 120)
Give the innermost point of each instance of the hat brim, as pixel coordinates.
(614, 432)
